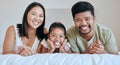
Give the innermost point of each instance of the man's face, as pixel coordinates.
(84, 22)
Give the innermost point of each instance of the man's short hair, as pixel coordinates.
(82, 6)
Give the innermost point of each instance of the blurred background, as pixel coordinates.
(107, 12)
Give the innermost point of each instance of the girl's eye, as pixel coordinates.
(61, 36)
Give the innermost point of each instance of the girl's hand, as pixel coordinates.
(52, 47)
(62, 47)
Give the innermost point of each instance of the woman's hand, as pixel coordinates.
(25, 51)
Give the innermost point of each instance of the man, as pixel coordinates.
(87, 36)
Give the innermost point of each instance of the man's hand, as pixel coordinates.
(96, 48)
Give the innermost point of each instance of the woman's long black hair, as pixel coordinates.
(23, 27)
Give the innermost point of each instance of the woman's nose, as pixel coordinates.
(37, 18)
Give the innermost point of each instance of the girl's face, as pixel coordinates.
(57, 36)
(35, 17)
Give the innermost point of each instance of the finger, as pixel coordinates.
(28, 51)
(49, 42)
(99, 45)
(95, 47)
(91, 45)
(98, 50)
(32, 51)
(20, 49)
(89, 51)
(65, 41)
(24, 53)
(98, 42)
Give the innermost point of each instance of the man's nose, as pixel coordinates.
(83, 22)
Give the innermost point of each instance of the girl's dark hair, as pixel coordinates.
(57, 25)
(82, 6)
(23, 27)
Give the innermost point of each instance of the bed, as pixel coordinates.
(60, 59)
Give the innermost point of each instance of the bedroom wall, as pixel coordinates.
(107, 13)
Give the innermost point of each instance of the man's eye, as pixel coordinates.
(77, 20)
(87, 19)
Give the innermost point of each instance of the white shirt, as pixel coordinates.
(20, 43)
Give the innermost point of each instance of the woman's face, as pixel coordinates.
(57, 36)
(35, 17)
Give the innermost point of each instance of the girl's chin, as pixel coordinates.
(57, 46)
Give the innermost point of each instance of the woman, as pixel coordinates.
(24, 38)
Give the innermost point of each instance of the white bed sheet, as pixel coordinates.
(60, 59)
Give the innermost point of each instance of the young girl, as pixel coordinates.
(56, 40)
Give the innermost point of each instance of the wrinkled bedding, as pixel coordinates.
(60, 59)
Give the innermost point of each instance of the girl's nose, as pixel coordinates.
(57, 39)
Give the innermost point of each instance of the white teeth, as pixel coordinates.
(84, 28)
(57, 43)
(35, 23)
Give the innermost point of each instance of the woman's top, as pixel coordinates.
(20, 43)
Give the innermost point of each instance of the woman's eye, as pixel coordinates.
(53, 35)
(41, 16)
(33, 13)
